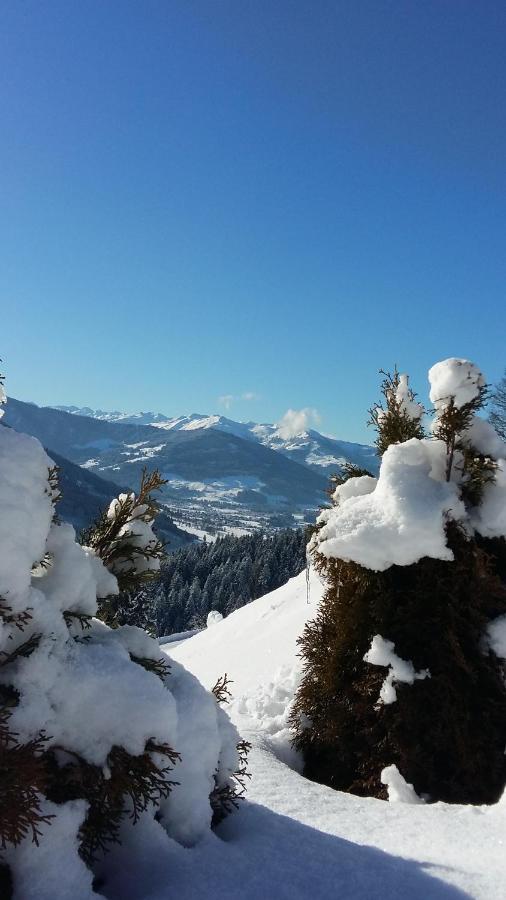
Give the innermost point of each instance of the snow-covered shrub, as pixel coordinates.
(227, 792)
(402, 668)
(401, 416)
(123, 538)
(99, 735)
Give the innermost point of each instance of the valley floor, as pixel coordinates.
(296, 839)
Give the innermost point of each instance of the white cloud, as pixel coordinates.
(226, 400)
(297, 421)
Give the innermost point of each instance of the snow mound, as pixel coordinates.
(255, 642)
(399, 791)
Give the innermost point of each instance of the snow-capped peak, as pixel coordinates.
(295, 440)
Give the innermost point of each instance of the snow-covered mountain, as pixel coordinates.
(222, 476)
(296, 839)
(141, 418)
(217, 482)
(310, 448)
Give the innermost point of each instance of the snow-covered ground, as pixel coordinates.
(296, 839)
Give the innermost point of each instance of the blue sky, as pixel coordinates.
(231, 197)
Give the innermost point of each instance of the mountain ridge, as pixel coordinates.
(310, 447)
(217, 482)
(222, 476)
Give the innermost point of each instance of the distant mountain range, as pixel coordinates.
(311, 448)
(223, 476)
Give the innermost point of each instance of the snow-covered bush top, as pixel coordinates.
(404, 397)
(399, 521)
(136, 532)
(454, 379)
(402, 516)
(403, 394)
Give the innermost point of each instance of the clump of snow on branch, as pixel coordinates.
(484, 438)
(402, 519)
(496, 636)
(136, 532)
(399, 791)
(407, 404)
(382, 653)
(454, 380)
(213, 618)
(354, 487)
(489, 519)
(26, 513)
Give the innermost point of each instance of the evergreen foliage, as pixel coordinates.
(393, 418)
(30, 771)
(497, 415)
(133, 607)
(226, 797)
(449, 426)
(222, 576)
(445, 733)
(123, 538)
(22, 777)
(124, 789)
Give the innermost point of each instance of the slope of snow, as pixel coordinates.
(296, 839)
(254, 642)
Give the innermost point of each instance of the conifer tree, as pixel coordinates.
(398, 418)
(403, 663)
(123, 538)
(228, 572)
(89, 715)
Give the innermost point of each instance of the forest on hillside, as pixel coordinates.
(222, 576)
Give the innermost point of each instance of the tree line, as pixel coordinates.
(222, 576)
